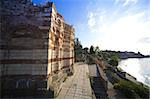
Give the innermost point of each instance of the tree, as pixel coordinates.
(97, 50)
(92, 50)
(86, 49)
(114, 61)
(78, 50)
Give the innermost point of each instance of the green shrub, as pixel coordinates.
(120, 69)
(114, 61)
(132, 90)
(117, 86)
(113, 78)
(126, 90)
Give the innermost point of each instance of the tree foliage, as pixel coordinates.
(78, 50)
(114, 61)
(92, 50)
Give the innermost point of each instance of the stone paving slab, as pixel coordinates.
(77, 86)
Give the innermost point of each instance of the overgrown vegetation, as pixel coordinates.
(128, 88)
(109, 57)
(78, 51)
(112, 77)
(132, 90)
(114, 60)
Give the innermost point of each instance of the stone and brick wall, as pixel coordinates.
(36, 45)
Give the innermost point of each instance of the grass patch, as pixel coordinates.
(132, 90)
(128, 88)
(112, 77)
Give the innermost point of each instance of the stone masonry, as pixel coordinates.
(36, 47)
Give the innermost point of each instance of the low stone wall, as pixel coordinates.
(103, 76)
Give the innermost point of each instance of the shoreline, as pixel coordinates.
(130, 75)
(134, 79)
(125, 84)
(134, 58)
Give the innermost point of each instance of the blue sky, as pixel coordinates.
(110, 24)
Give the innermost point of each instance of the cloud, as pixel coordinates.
(145, 40)
(91, 20)
(120, 28)
(122, 33)
(129, 1)
(125, 33)
(126, 2)
(95, 20)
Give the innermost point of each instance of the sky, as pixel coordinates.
(120, 25)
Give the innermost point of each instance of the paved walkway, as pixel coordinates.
(93, 71)
(77, 86)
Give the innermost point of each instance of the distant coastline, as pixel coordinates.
(125, 54)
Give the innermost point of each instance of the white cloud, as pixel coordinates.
(91, 20)
(126, 2)
(129, 1)
(144, 40)
(120, 28)
(95, 19)
(125, 33)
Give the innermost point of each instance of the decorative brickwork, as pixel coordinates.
(35, 45)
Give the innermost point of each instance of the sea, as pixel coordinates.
(137, 67)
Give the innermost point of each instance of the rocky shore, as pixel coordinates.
(124, 85)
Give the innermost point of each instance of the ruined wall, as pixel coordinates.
(62, 55)
(36, 46)
(68, 46)
(24, 43)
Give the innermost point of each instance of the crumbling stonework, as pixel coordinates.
(36, 47)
